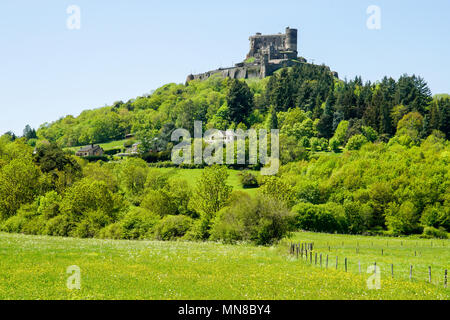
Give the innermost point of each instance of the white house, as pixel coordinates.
(228, 136)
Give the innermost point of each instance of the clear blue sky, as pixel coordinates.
(127, 48)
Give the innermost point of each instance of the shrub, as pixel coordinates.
(159, 202)
(113, 231)
(307, 191)
(370, 134)
(138, 223)
(58, 226)
(14, 224)
(430, 232)
(103, 158)
(248, 179)
(402, 219)
(84, 229)
(278, 189)
(112, 152)
(49, 205)
(314, 143)
(262, 220)
(91, 197)
(172, 227)
(436, 216)
(328, 217)
(334, 145)
(357, 216)
(356, 142)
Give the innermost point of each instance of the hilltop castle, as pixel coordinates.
(268, 53)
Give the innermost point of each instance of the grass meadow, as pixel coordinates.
(106, 146)
(393, 256)
(193, 175)
(34, 267)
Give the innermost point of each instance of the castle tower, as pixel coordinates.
(291, 39)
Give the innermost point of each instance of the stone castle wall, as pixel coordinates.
(269, 54)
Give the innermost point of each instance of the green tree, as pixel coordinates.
(211, 194)
(20, 183)
(239, 101)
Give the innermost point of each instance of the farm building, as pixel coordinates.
(90, 151)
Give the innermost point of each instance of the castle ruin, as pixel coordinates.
(268, 53)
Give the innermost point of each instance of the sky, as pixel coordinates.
(124, 49)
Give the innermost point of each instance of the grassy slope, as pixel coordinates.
(106, 146)
(192, 175)
(34, 267)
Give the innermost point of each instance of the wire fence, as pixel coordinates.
(326, 259)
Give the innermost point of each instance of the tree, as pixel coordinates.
(325, 125)
(272, 120)
(20, 183)
(133, 176)
(356, 142)
(211, 194)
(92, 202)
(341, 132)
(29, 133)
(239, 101)
(411, 125)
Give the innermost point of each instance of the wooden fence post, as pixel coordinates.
(315, 258)
(320, 260)
(410, 272)
(445, 278)
(392, 270)
(310, 257)
(345, 264)
(375, 268)
(429, 274)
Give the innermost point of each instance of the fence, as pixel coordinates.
(307, 252)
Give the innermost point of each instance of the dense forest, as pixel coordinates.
(358, 157)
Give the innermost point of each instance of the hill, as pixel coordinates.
(311, 90)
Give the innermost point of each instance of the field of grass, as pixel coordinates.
(34, 267)
(387, 253)
(106, 146)
(192, 175)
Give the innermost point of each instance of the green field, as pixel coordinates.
(105, 146)
(34, 267)
(192, 175)
(397, 253)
